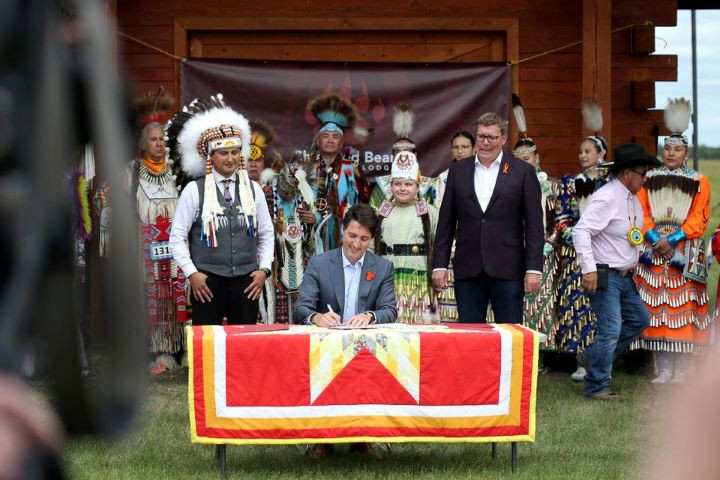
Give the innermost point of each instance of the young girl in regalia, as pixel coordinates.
(407, 230)
(672, 273)
(576, 322)
(403, 124)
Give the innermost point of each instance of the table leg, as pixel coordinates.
(494, 450)
(221, 455)
(513, 455)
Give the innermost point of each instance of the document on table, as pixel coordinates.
(372, 325)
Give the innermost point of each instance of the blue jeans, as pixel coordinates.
(621, 316)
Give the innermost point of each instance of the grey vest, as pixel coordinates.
(236, 253)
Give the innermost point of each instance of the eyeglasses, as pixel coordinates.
(642, 172)
(489, 138)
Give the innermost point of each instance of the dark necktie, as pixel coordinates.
(226, 191)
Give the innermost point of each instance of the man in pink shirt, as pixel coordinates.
(607, 239)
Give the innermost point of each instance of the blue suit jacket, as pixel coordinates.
(323, 284)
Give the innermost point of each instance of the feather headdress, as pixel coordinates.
(337, 114)
(592, 116)
(403, 124)
(677, 119)
(192, 135)
(153, 107)
(261, 136)
(525, 144)
(403, 120)
(593, 119)
(519, 113)
(202, 127)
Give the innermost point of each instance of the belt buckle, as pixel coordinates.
(415, 249)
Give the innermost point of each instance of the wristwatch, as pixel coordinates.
(372, 314)
(266, 270)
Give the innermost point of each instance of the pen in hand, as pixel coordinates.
(338, 320)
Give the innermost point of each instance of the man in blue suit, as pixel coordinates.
(349, 285)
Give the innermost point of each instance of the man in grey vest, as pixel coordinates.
(222, 235)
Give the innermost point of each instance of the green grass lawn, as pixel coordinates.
(576, 438)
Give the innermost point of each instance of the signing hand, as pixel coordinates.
(532, 282)
(360, 320)
(255, 288)
(329, 319)
(589, 282)
(440, 279)
(201, 292)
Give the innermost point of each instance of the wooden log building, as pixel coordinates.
(612, 58)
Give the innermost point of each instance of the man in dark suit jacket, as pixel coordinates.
(492, 201)
(349, 284)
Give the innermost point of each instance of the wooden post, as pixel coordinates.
(597, 60)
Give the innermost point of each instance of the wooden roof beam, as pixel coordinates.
(597, 59)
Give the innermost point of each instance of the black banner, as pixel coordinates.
(445, 97)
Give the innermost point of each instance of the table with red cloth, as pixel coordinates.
(410, 383)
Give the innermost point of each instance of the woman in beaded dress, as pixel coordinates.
(407, 229)
(462, 145)
(576, 322)
(672, 272)
(539, 308)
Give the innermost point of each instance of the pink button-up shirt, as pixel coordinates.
(601, 234)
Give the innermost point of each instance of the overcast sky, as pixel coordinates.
(679, 42)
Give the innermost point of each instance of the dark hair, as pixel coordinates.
(524, 142)
(364, 215)
(463, 133)
(598, 142)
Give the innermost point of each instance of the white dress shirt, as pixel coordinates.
(485, 178)
(352, 283)
(188, 208)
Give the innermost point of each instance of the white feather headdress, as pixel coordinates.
(192, 153)
(403, 120)
(519, 113)
(677, 115)
(592, 115)
(192, 134)
(593, 119)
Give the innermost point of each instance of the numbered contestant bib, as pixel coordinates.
(160, 251)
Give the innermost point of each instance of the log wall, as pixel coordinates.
(550, 86)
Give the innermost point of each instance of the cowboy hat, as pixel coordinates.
(629, 155)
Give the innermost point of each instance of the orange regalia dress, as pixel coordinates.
(676, 205)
